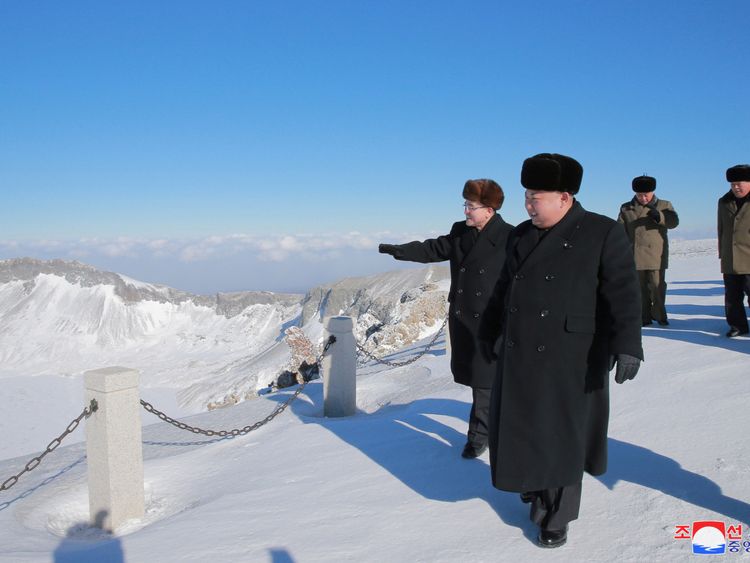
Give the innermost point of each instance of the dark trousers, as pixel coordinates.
(653, 295)
(479, 416)
(736, 286)
(552, 509)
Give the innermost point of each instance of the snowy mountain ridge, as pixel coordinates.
(130, 290)
(63, 318)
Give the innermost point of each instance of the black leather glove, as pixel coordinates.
(627, 367)
(392, 249)
(654, 215)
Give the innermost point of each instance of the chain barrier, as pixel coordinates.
(397, 364)
(246, 429)
(34, 462)
(93, 406)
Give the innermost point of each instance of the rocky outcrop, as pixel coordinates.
(420, 311)
(390, 310)
(302, 364)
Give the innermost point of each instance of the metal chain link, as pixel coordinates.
(246, 429)
(34, 462)
(427, 348)
(93, 406)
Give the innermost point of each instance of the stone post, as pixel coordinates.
(113, 447)
(340, 369)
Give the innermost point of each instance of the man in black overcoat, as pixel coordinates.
(565, 310)
(476, 250)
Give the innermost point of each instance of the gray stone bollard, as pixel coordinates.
(113, 447)
(340, 369)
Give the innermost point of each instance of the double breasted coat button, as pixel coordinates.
(549, 277)
(462, 269)
(543, 313)
(513, 309)
(518, 277)
(460, 291)
(481, 271)
(540, 348)
(479, 294)
(458, 313)
(476, 315)
(567, 245)
(511, 344)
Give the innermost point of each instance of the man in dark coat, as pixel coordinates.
(646, 219)
(476, 250)
(566, 309)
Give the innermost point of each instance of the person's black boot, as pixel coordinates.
(473, 450)
(735, 332)
(552, 538)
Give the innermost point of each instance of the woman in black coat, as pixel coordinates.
(476, 250)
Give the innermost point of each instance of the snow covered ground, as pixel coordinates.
(388, 484)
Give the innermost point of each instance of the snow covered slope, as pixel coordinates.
(59, 319)
(62, 318)
(388, 484)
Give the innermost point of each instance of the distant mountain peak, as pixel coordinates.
(131, 290)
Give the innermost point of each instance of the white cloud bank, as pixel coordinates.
(281, 262)
(272, 248)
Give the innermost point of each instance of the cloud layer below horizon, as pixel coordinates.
(226, 262)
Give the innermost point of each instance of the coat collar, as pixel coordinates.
(490, 235)
(561, 237)
(635, 203)
(493, 230)
(730, 199)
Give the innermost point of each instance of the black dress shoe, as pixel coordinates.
(735, 332)
(665, 322)
(473, 450)
(552, 538)
(646, 323)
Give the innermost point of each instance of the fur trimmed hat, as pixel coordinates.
(551, 172)
(485, 191)
(739, 173)
(644, 184)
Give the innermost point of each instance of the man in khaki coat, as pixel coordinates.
(734, 247)
(647, 219)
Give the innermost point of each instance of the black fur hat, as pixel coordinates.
(551, 172)
(644, 183)
(739, 173)
(487, 192)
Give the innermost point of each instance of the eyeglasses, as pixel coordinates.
(468, 207)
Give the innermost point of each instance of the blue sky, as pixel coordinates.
(254, 145)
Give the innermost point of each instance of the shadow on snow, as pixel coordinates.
(46, 481)
(77, 546)
(704, 332)
(425, 454)
(636, 464)
(717, 289)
